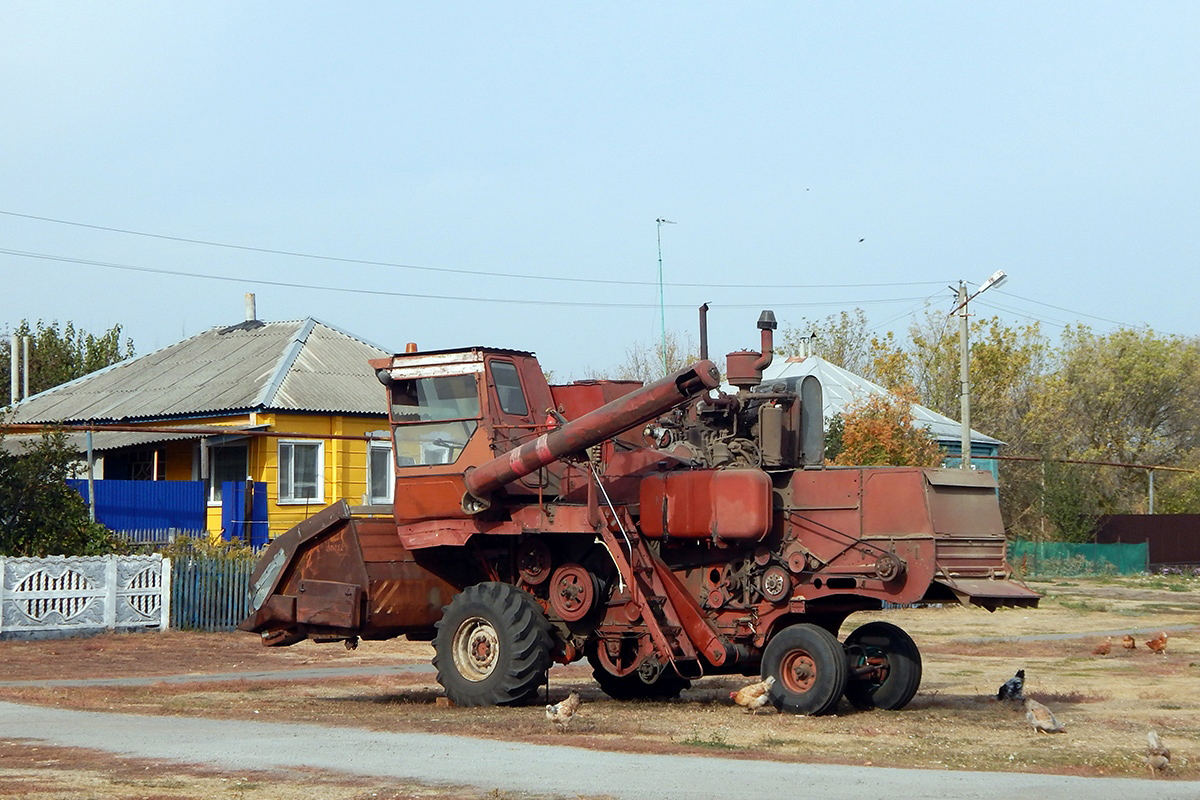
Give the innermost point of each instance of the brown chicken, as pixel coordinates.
(1158, 756)
(1041, 718)
(563, 712)
(1104, 648)
(1129, 643)
(1159, 643)
(754, 696)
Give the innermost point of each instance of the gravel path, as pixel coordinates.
(511, 766)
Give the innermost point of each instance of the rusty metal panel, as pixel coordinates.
(329, 603)
(893, 503)
(731, 504)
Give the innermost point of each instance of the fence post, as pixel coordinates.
(3, 583)
(110, 592)
(165, 602)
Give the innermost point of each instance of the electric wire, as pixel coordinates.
(414, 295)
(451, 270)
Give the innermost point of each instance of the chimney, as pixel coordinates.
(251, 315)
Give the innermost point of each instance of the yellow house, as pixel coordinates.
(293, 405)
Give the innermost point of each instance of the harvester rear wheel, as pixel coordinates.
(809, 668)
(492, 646)
(897, 666)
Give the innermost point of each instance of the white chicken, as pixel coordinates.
(561, 713)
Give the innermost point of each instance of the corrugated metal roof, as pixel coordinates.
(840, 388)
(304, 365)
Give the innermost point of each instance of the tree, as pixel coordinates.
(841, 339)
(1128, 397)
(39, 514)
(645, 363)
(60, 354)
(879, 431)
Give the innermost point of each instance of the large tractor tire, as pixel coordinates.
(897, 666)
(666, 685)
(809, 668)
(492, 647)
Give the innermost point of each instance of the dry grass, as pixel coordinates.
(1107, 703)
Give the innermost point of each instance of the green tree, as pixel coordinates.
(39, 514)
(1127, 397)
(58, 354)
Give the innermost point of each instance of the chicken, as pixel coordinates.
(754, 696)
(1159, 643)
(1013, 688)
(1041, 718)
(563, 712)
(1129, 643)
(1158, 756)
(1104, 648)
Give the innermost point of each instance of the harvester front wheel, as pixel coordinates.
(809, 668)
(493, 646)
(890, 663)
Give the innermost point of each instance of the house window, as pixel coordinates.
(300, 478)
(226, 463)
(380, 475)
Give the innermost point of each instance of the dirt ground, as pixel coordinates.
(1108, 703)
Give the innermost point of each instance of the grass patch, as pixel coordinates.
(717, 740)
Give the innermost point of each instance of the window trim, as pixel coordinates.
(320, 477)
(387, 448)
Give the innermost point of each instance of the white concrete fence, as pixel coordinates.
(61, 595)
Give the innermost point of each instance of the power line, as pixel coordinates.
(451, 270)
(415, 296)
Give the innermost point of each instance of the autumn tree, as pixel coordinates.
(58, 354)
(843, 339)
(879, 430)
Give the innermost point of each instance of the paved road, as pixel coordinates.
(512, 766)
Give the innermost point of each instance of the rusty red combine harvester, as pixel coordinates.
(664, 532)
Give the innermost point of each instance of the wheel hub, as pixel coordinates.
(799, 671)
(476, 646)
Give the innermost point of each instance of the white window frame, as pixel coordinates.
(386, 448)
(290, 499)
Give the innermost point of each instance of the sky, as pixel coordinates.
(492, 174)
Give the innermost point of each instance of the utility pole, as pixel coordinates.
(662, 306)
(964, 369)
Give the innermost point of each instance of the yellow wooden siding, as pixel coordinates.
(344, 464)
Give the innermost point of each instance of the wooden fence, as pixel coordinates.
(210, 593)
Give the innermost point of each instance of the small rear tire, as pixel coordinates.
(809, 668)
(897, 661)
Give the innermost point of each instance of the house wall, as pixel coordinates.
(344, 465)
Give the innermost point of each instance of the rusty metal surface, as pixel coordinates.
(731, 504)
(619, 415)
(1172, 539)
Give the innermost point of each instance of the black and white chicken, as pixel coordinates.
(1013, 688)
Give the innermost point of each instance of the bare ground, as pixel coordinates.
(1107, 703)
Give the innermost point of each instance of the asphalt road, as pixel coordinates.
(514, 766)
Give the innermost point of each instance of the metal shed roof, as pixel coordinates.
(840, 388)
(304, 365)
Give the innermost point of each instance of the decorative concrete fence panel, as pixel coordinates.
(60, 595)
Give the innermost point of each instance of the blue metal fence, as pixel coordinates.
(244, 512)
(147, 505)
(210, 592)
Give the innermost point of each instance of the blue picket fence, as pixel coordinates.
(210, 593)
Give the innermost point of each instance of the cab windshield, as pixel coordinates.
(434, 418)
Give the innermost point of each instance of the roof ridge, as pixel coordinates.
(284, 365)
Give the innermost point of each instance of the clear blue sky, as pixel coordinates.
(1056, 141)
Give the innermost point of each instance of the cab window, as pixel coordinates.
(508, 388)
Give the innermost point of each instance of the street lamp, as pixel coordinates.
(997, 278)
